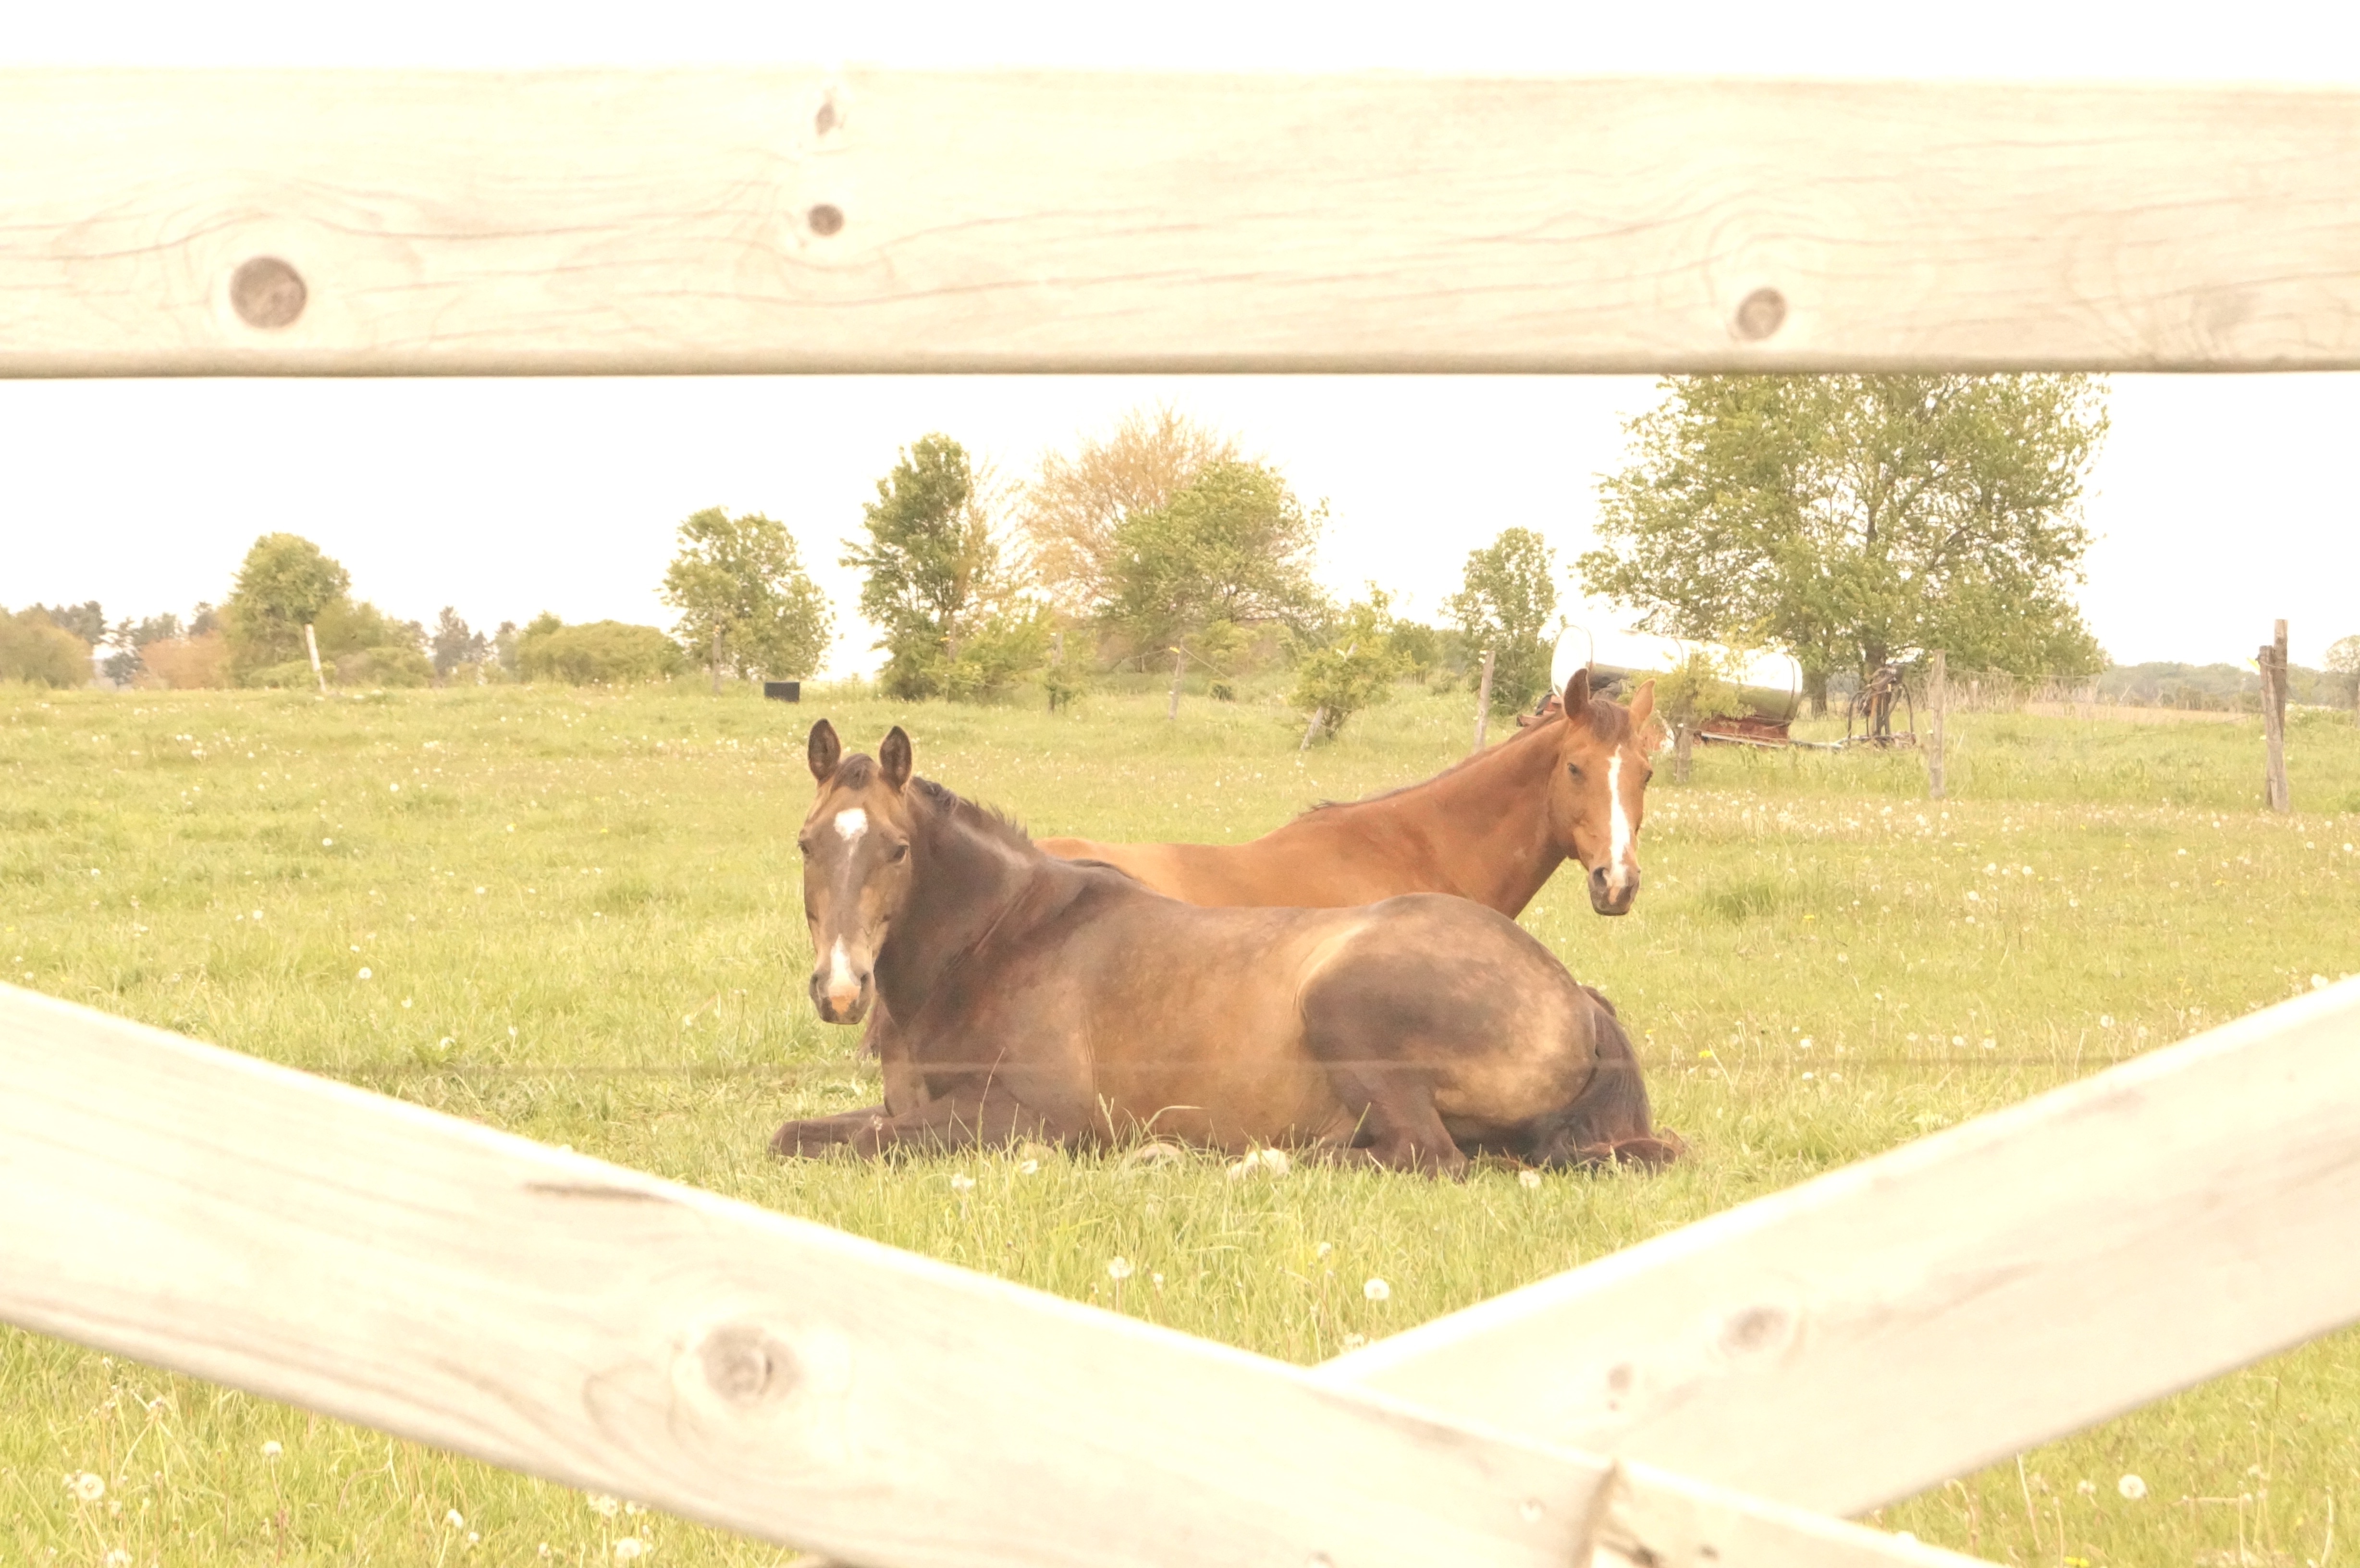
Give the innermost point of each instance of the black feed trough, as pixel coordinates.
(784, 691)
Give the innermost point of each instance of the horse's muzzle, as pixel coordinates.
(1608, 900)
(838, 1002)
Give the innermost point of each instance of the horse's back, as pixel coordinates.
(1276, 871)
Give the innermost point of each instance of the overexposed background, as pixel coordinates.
(2221, 502)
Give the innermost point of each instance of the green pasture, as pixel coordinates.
(574, 915)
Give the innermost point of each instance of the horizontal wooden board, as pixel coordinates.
(420, 223)
(2033, 1272)
(370, 1259)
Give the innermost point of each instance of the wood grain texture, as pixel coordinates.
(1870, 1333)
(370, 1259)
(785, 221)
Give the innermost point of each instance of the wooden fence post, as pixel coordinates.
(1937, 686)
(2273, 660)
(1483, 701)
(311, 641)
(1179, 663)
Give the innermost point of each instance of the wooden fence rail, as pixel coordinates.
(355, 1255)
(1965, 1297)
(415, 223)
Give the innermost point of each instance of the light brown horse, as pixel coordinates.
(1493, 829)
(1038, 997)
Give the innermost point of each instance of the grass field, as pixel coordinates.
(574, 915)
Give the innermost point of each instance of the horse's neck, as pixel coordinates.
(964, 884)
(1486, 825)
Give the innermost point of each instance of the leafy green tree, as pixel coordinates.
(1072, 507)
(1233, 549)
(1856, 520)
(951, 605)
(85, 620)
(284, 584)
(454, 644)
(35, 649)
(595, 653)
(1350, 666)
(747, 604)
(1507, 603)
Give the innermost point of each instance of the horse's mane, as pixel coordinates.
(1612, 720)
(989, 821)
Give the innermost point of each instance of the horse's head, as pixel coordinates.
(1599, 790)
(856, 848)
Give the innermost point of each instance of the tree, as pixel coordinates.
(1350, 666)
(131, 639)
(595, 653)
(283, 586)
(747, 604)
(454, 644)
(940, 585)
(1233, 549)
(85, 620)
(35, 649)
(1507, 603)
(1857, 520)
(1071, 510)
(2343, 659)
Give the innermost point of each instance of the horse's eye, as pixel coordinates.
(901, 852)
(1573, 769)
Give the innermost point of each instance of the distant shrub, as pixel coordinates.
(388, 666)
(596, 653)
(285, 675)
(189, 663)
(35, 649)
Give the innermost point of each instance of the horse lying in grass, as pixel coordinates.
(1494, 828)
(1037, 997)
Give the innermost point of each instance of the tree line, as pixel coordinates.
(1850, 521)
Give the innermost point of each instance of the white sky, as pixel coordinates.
(2219, 501)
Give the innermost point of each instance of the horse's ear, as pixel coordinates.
(1577, 697)
(1643, 703)
(893, 758)
(825, 751)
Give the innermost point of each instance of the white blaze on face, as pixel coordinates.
(850, 824)
(843, 985)
(1618, 854)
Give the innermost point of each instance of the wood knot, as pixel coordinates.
(826, 219)
(826, 119)
(744, 1365)
(1756, 1331)
(267, 292)
(1763, 312)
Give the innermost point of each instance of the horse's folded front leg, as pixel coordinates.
(817, 1134)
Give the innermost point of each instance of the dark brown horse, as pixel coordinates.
(1494, 828)
(1039, 997)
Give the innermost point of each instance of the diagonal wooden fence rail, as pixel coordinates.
(355, 1255)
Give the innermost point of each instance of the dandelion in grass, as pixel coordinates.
(364, 974)
(271, 1450)
(86, 1486)
(2131, 1487)
(1377, 1290)
(1118, 1269)
(1354, 1341)
(118, 1558)
(455, 1520)
(1323, 1248)
(2087, 1489)
(627, 1547)
(1029, 1168)
(327, 843)
(1528, 1179)
(962, 1183)
(2106, 1020)
(604, 1506)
